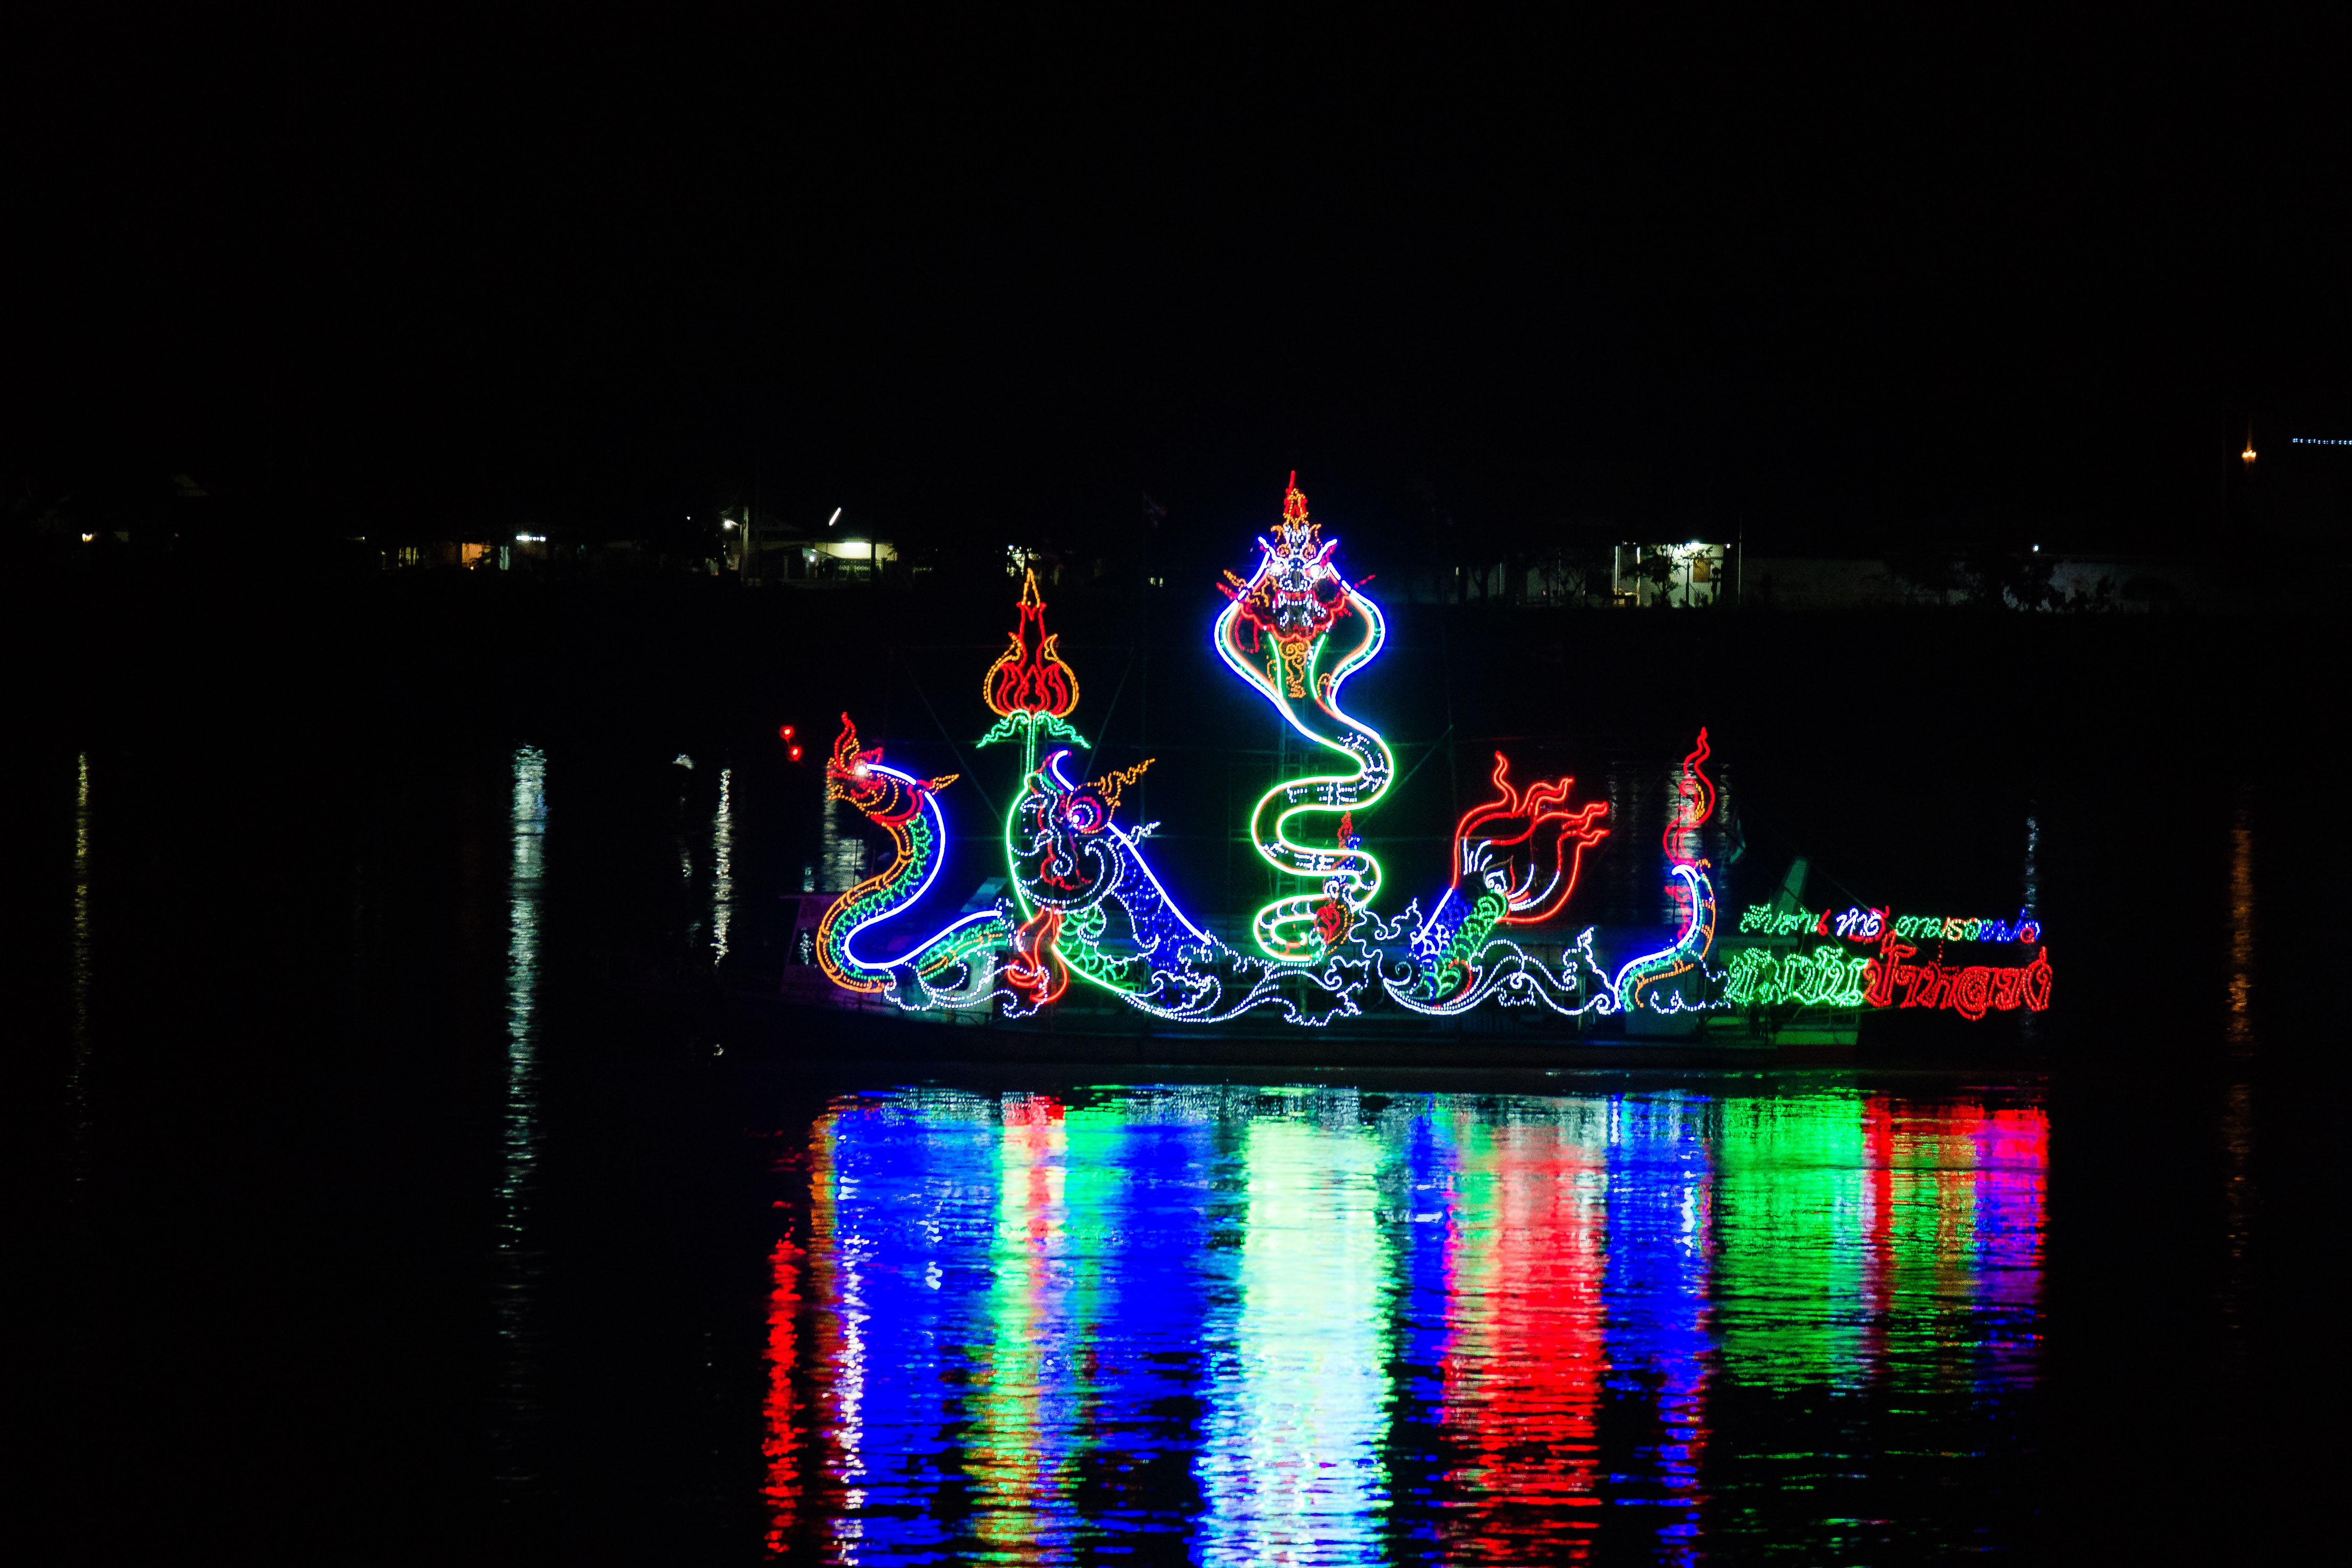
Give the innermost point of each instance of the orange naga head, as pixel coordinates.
(884, 794)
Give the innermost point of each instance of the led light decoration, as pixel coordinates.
(1296, 630)
(1970, 990)
(1036, 969)
(1826, 977)
(1831, 976)
(953, 968)
(1694, 895)
(1120, 929)
(1515, 862)
(1086, 905)
(1526, 847)
(1860, 925)
(1030, 687)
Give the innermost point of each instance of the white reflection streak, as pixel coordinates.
(1291, 1471)
(849, 1392)
(522, 984)
(521, 1139)
(722, 874)
(75, 1089)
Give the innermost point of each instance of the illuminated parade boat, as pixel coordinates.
(1088, 937)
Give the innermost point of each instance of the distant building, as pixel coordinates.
(1690, 576)
(2114, 584)
(813, 562)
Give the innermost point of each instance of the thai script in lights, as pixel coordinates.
(1833, 977)
(1827, 977)
(1970, 990)
(1855, 923)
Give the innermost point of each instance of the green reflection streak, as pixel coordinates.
(1790, 1207)
(1017, 1460)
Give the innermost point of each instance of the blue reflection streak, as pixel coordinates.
(915, 1196)
(2012, 1156)
(1148, 1160)
(77, 1086)
(1655, 1292)
(1422, 1223)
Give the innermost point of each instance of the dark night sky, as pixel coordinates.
(1968, 280)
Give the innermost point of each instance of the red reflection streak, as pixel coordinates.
(1032, 1135)
(1954, 1207)
(781, 1448)
(1523, 1381)
(2012, 1157)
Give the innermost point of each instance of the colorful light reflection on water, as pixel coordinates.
(1247, 1325)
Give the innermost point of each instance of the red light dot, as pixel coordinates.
(796, 753)
(786, 732)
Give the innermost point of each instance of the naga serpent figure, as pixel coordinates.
(1296, 630)
(1088, 905)
(1694, 895)
(954, 969)
(1117, 926)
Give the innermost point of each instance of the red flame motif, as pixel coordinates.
(1695, 805)
(1526, 847)
(1035, 967)
(1029, 676)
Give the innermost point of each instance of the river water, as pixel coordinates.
(1291, 1324)
(372, 1199)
